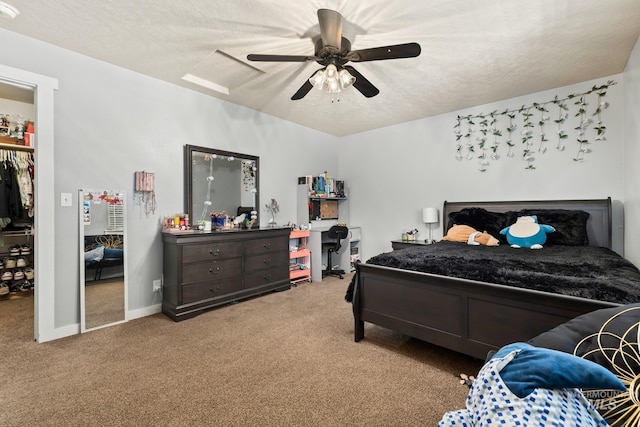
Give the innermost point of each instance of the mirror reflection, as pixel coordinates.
(102, 248)
(217, 181)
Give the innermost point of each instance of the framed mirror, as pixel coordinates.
(103, 264)
(217, 181)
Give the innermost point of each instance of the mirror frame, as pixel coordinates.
(188, 179)
(81, 235)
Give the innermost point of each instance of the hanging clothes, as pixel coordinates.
(25, 183)
(16, 184)
(10, 200)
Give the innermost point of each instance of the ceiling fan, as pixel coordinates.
(333, 51)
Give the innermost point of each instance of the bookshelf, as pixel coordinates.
(299, 257)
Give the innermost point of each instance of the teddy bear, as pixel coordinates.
(527, 233)
(471, 236)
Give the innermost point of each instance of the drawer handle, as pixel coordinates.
(267, 245)
(214, 253)
(267, 277)
(213, 291)
(267, 261)
(211, 270)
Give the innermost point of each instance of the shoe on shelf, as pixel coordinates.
(26, 286)
(25, 250)
(18, 275)
(1, 263)
(21, 262)
(4, 288)
(10, 263)
(14, 250)
(29, 273)
(6, 275)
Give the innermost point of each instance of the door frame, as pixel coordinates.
(44, 215)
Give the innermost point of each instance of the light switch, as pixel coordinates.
(65, 199)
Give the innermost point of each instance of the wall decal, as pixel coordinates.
(480, 136)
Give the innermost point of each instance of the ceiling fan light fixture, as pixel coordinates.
(331, 71)
(345, 78)
(332, 86)
(318, 79)
(330, 80)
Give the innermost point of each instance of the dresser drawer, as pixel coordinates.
(260, 246)
(265, 277)
(211, 270)
(268, 260)
(215, 288)
(209, 251)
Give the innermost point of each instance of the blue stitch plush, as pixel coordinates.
(527, 233)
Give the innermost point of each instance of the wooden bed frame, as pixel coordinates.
(468, 316)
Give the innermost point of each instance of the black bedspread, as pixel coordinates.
(582, 271)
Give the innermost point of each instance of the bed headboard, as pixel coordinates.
(598, 225)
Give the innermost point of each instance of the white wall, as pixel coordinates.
(632, 155)
(394, 172)
(111, 122)
(16, 108)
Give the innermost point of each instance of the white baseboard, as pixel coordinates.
(74, 329)
(62, 332)
(143, 312)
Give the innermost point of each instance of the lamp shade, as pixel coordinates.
(430, 215)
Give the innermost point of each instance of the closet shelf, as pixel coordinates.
(25, 232)
(15, 147)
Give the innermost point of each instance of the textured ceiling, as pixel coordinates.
(473, 52)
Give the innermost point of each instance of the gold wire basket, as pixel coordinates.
(110, 241)
(623, 354)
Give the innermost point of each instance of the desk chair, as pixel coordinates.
(337, 233)
(244, 210)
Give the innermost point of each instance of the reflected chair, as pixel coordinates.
(336, 233)
(244, 210)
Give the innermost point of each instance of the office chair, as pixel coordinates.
(337, 233)
(244, 210)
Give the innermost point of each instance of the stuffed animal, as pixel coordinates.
(527, 233)
(471, 236)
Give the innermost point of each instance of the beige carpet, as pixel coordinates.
(283, 359)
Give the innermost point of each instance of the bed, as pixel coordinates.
(104, 253)
(475, 316)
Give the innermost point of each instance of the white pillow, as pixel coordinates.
(94, 255)
(490, 402)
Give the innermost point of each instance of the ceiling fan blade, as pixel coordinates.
(281, 58)
(363, 85)
(407, 50)
(304, 89)
(330, 27)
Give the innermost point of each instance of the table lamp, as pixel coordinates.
(430, 216)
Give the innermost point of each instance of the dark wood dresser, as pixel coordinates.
(203, 270)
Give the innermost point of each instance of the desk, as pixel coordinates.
(317, 236)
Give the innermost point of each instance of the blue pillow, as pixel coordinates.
(535, 367)
(113, 253)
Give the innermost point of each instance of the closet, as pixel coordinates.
(17, 198)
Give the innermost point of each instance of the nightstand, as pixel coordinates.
(402, 244)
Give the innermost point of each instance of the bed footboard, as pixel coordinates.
(462, 315)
